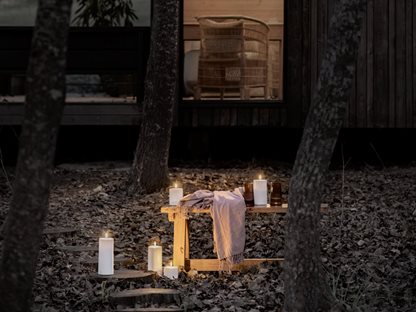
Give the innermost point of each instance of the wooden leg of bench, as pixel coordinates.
(179, 240)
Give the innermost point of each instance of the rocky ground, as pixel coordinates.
(368, 239)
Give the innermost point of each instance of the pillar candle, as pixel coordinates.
(175, 194)
(106, 256)
(260, 192)
(171, 271)
(154, 258)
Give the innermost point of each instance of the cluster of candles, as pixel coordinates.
(258, 189)
(256, 193)
(106, 258)
(154, 262)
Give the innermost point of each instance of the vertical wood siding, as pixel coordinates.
(383, 94)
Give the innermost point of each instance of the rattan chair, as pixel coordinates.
(234, 55)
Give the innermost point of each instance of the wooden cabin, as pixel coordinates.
(383, 95)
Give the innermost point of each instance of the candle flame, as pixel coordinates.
(170, 264)
(154, 244)
(259, 176)
(176, 184)
(106, 234)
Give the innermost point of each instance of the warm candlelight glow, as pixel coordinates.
(176, 184)
(170, 264)
(259, 176)
(154, 244)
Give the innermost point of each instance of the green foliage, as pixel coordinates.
(104, 13)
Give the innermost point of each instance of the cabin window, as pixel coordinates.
(23, 13)
(102, 61)
(233, 50)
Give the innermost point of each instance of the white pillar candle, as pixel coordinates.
(175, 194)
(171, 271)
(106, 255)
(260, 192)
(154, 258)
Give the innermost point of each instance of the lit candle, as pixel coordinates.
(175, 194)
(154, 258)
(171, 271)
(260, 191)
(106, 255)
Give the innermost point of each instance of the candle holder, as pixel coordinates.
(276, 194)
(248, 194)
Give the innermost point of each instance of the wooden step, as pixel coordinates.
(124, 274)
(59, 230)
(154, 295)
(94, 260)
(82, 248)
(149, 310)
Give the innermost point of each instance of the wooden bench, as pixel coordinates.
(181, 245)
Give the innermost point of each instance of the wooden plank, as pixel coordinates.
(370, 64)
(82, 248)
(160, 295)
(263, 119)
(414, 64)
(117, 259)
(149, 309)
(400, 70)
(225, 117)
(361, 76)
(124, 275)
(179, 240)
(307, 92)
(314, 45)
(381, 63)
(244, 117)
(255, 117)
(205, 117)
(256, 209)
(392, 64)
(293, 71)
(275, 117)
(206, 265)
(322, 29)
(410, 58)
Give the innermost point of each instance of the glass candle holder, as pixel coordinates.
(248, 194)
(276, 194)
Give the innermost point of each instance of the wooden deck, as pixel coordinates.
(79, 111)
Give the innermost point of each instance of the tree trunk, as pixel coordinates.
(305, 285)
(150, 166)
(45, 97)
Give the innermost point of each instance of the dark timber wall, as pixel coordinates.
(383, 94)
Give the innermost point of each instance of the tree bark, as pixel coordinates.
(45, 98)
(150, 166)
(305, 285)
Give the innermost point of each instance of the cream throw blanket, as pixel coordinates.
(228, 214)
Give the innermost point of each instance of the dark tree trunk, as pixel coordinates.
(150, 166)
(45, 97)
(305, 285)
